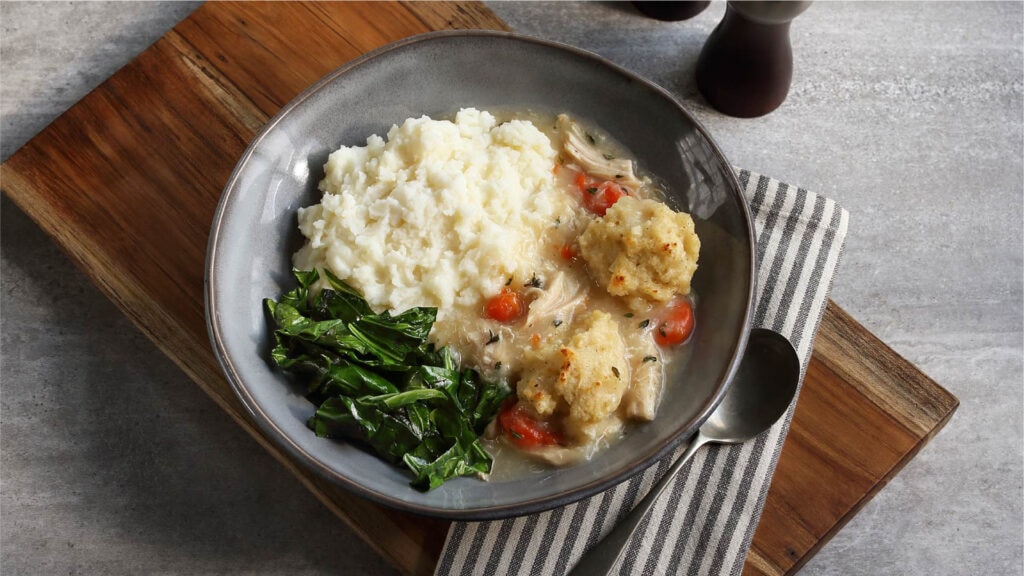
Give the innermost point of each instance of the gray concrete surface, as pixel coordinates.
(908, 114)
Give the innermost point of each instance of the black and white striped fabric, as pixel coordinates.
(706, 524)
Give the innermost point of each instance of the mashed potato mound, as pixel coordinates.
(641, 248)
(440, 214)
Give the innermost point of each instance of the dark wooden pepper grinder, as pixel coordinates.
(746, 65)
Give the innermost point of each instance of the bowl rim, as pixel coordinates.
(276, 435)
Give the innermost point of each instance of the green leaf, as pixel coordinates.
(400, 399)
(385, 352)
(348, 293)
(299, 297)
(343, 417)
(331, 304)
(396, 336)
(353, 380)
(458, 460)
(489, 400)
(307, 278)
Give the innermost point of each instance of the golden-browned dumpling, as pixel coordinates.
(585, 377)
(641, 248)
(594, 372)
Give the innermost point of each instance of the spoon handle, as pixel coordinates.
(602, 556)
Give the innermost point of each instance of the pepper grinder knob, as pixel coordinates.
(746, 66)
(671, 11)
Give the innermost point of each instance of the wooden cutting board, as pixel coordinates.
(127, 181)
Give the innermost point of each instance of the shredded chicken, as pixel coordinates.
(580, 149)
(641, 400)
(556, 304)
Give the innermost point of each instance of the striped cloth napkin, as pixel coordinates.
(706, 525)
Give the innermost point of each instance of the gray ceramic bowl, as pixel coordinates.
(254, 234)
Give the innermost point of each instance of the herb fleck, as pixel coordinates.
(515, 434)
(494, 338)
(615, 371)
(628, 314)
(608, 156)
(557, 323)
(650, 359)
(497, 365)
(645, 323)
(591, 190)
(509, 281)
(535, 282)
(590, 138)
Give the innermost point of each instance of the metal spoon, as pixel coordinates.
(760, 393)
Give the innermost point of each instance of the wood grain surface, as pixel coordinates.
(127, 181)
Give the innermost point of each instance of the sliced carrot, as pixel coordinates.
(523, 430)
(675, 324)
(598, 196)
(506, 306)
(567, 251)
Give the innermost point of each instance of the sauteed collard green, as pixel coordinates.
(376, 379)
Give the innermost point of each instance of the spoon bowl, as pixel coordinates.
(761, 391)
(760, 394)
